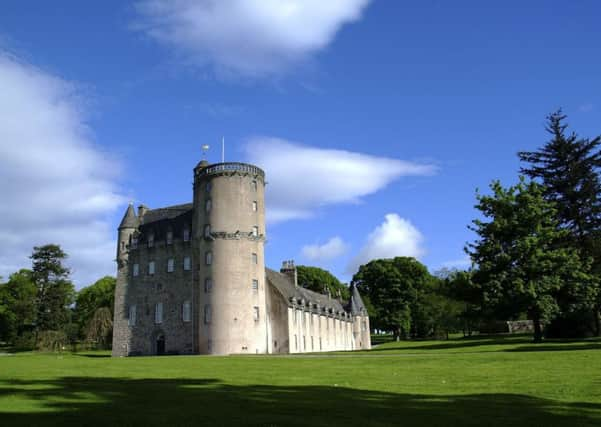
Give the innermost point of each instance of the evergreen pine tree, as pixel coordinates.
(568, 166)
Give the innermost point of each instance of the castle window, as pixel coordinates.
(132, 315)
(255, 231)
(256, 313)
(254, 206)
(151, 267)
(208, 285)
(169, 237)
(255, 285)
(122, 246)
(253, 185)
(208, 258)
(207, 231)
(150, 240)
(208, 204)
(158, 313)
(136, 269)
(186, 235)
(186, 311)
(186, 263)
(170, 265)
(208, 187)
(207, 314)
(134, 242)
(255, 259)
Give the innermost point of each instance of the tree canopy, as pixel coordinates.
(568, 167)
(316, 279)
(521, 263)
(101, 294)
(55, 292)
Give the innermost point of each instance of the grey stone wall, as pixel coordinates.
(171, 289)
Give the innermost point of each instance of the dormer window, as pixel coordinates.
(169, 237)
(150, 240)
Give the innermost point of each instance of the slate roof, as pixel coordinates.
(287, 289)
(169, 212)
(356, 305)
(129, 219)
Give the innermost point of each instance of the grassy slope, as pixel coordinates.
(493, 382)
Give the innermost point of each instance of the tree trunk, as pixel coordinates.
(597, 315)
(538, 332)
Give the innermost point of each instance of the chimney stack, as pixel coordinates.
(289, 269)
(142, 209)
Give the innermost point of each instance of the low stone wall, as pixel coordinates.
(520, 326)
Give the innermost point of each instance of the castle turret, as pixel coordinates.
(229, 235)
(121, 332)
(361, 330)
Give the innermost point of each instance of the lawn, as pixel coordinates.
(498, 381)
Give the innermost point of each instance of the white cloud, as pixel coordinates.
(247, 37)
(394, 237)
(302, 179)
(459, 263)
(333, 248)
(55, 186)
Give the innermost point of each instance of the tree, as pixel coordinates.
(100, 327)
(54, 292)
(568, 167)
(459, 286)
(101, 294)
(17, 305)
(393, 287)
(318, 280)
(521, 262)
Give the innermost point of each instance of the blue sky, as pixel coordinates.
(410, 105)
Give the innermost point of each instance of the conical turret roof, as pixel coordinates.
(356, 303)
(129, 219)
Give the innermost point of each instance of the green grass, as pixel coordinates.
(490, 381)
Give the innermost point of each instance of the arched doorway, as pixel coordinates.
(160, 344)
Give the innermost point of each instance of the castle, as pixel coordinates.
(191, 279)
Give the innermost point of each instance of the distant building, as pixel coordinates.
(191, 279)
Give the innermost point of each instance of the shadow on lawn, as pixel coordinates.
(119, 401)
(516, 343)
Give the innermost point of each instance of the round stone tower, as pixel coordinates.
(229, 238)
(121, 331)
